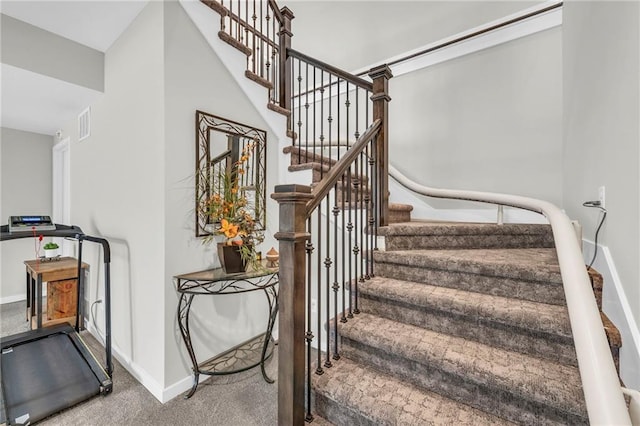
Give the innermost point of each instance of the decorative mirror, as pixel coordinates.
(221, 145)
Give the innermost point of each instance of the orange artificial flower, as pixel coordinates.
(228, 229)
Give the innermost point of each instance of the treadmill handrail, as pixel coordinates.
(73, 231)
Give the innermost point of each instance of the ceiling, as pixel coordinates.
(39, 103)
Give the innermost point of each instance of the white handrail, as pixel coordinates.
(602, 392)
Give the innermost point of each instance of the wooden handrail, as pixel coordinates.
(360, 82)
(338, 169)
(276, 11)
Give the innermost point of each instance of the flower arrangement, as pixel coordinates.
(229, 210)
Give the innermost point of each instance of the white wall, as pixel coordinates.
(489, 121)
(601, 109)
(381, 29)
(118, 192)
(25, 169)
(31, 48)
(195, 78)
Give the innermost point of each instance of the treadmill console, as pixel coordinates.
(30, 224)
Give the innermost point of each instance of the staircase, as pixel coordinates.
(450, 323)
(457, 329)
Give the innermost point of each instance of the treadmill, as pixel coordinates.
(49, 369)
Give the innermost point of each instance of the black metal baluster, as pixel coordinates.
(361, 229)
(261, 50)
(327, 264)
(267, 53)
(296, 140)
(309, 333)
(322, 156)
(369, 216)
(338, 123)
(349, 233)
(253, 45)
(319, 369)
(306, 105)
(375, 207)
(330, 119)
(356, 248)
(336, 286)
(315, 103)
(343, 196)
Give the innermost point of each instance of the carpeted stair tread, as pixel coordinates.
(462, 228)
(539, 264)
(541, 317)
(451, 235)
(537, 329)
(356, 395)
(529, 378)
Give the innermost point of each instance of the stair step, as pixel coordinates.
(399, 213)
(439, 235)
(235, 43)
(351, 394)
(507, 384)
(529, 274)
(537, 329)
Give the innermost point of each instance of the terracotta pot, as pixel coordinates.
(231, 259)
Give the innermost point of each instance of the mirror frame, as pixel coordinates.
(206, 124)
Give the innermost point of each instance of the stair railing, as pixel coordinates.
(603, 394)
(325, 252)
(258, 29)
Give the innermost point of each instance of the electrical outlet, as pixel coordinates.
(314, 306)
(601, 197)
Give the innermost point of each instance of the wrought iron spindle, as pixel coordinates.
(309, 333)
(361, 212)
(330, 118)
(327, 263)
(319, 369)
(349, 245)
(306, 106)
(371, 207)
(356, 248)
(343, 196)
(322, 157)
(336, 286)
(369, 223)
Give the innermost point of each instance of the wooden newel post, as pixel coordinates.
(285, 70)
(380, 98)
(292, 237)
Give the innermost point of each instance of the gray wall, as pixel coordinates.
(195, 78)
(28, 47)
(601, 110)
(117, 192)
(25, 176)
(133, 183)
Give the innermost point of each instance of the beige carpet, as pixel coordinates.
(239, 399)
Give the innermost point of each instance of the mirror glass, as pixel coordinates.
(229, 154)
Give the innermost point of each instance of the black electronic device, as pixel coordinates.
(30, 224)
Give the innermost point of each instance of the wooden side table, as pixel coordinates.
(61, 276)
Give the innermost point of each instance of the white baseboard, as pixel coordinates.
(12, 299)
(616, 305)
(134, 369)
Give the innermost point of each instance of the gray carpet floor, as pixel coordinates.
(238, 399)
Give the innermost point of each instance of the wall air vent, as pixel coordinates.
(84, 124)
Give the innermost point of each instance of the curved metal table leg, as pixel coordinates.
(272, 298)
(184, 306)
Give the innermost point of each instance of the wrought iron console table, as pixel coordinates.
(216, 282)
